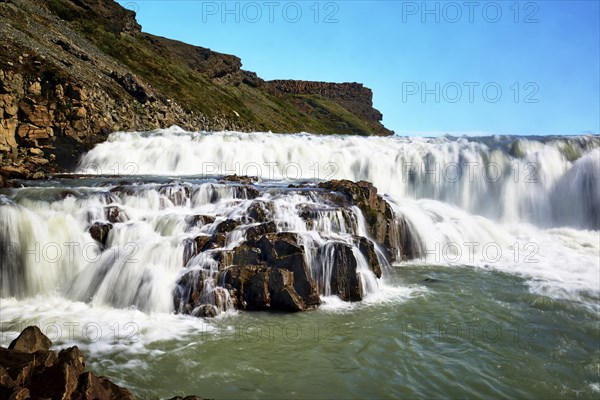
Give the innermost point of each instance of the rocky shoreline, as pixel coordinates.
(30, 370)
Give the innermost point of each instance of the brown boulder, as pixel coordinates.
(30, 340)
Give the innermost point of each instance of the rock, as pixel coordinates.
(245, 254)
(199, 220)
(377, 212)
(99, 231)
(246, 180)
(367, 248)
(188, 292)
(344, 281)
(283, 295)
(114, 214)
(40, 373)
(255, 232)
(287, 300)
(35, 89)
(186, 398)
(281, 250)
(90, 387)
(30, 341)
(205, 311)
(260, 211)
(227, 226)
(133, 87)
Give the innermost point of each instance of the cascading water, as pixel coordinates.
(510, 180)
(138, 257)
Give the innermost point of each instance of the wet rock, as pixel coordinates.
(40, 373)
(30, 340)
(245, 254)
(367, 248)
(99, 231)
(188, 291)
(186, 398)
(199, 220)
(281, 250)
(227, 226)
(255, 232)
(246, 180)
(344, 281)
(177, 194)
(260, 211)
(283, 295)
(205, 311)
(245, 192)
(115, 215)
(376, 211)
(256, 287)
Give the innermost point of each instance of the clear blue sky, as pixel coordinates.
(435, 67)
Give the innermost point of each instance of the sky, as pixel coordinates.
(435, 67)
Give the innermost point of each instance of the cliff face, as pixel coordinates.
(72, 71)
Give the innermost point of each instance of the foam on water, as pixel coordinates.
(507, 179)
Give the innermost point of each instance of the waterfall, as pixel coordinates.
(158, 239)
(506, 179)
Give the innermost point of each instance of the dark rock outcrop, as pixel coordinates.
(345, 281)
(29, 369)
(257, 287)
(99, 231)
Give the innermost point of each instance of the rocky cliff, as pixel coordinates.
(72, 71)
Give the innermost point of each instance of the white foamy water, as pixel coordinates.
(505, 179)
(535, 219)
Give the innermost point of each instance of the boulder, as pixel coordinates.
(378, 214)
(227, 226)
(28, 369)
(257, 287)
(260, 211)
(253, 233)
(367, 248)
(281, 250)
(114, 214)
(99, 231)
(338, 261)
(188, 291)
(31, 340)
(199, 220)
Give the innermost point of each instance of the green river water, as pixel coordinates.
(465, 332)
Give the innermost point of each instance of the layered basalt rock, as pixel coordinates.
(270, 268)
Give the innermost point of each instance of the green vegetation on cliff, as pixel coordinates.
(72, 71)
